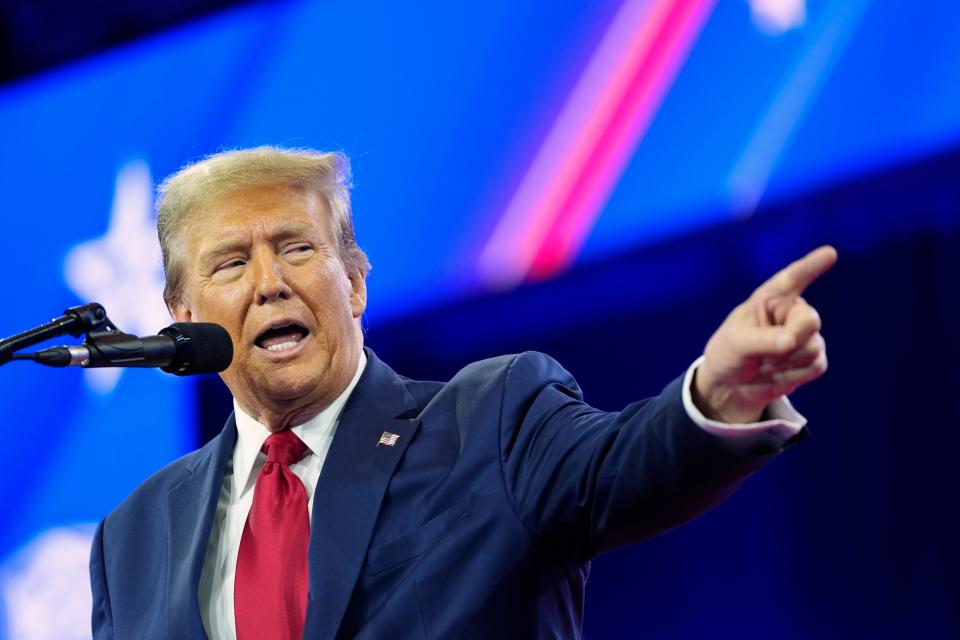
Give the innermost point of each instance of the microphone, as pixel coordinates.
(183, 349)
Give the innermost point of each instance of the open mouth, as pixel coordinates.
(279, 339)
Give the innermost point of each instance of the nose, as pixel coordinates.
(270, 282)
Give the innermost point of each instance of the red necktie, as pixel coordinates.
(270, 593)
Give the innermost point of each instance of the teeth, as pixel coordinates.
(283, 346)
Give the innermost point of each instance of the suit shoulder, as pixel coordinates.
(526, 369)
(525, 363)
(502, 373)
(161, 481)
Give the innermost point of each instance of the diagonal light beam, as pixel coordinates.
(595, 134)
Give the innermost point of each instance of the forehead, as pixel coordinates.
(260, 210)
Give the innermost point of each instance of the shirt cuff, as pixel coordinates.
(781, 422)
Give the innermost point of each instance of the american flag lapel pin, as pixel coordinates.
(388, 439)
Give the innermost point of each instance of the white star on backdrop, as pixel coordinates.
(776, 17)
(123, 270)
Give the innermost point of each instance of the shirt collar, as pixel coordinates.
(314, 432)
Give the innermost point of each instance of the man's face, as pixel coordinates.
(263, 263)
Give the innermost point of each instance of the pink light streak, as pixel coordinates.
(597, 131)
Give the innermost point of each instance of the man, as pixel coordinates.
(342, 500)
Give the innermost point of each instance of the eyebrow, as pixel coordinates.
(219, 249)
(282, 231)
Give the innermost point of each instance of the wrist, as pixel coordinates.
(721, 402)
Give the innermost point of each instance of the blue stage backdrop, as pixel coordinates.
(602, 180)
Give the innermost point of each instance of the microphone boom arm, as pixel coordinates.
(88, 318)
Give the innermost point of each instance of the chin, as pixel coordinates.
(287, 384)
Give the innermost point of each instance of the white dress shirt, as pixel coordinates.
(236, 493)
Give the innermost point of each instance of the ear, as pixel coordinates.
(358, 296)
(179, 311)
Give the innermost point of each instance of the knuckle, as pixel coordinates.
(815, 319)
(807, 327)
(820, 366)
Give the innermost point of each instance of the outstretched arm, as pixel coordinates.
(584, 480)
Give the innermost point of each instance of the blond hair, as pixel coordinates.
(199, 185)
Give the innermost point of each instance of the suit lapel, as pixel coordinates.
(350, 489)
(191, 507)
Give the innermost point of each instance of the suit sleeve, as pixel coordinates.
(583, 481)
(102, 616)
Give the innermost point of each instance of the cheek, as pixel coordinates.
(326, 286)
(223, 305)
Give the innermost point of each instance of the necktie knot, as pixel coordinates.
(284, 447)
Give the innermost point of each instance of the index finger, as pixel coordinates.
(798, 275)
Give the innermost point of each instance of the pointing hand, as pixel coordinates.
(768, 346)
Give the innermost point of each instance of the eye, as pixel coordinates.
(231, 264)
(299, 248)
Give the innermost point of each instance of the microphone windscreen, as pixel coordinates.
(202, 347)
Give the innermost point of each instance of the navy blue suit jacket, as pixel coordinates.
(479, 523)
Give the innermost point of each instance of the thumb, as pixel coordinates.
(763, 341)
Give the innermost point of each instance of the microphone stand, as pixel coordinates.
(90, 319)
